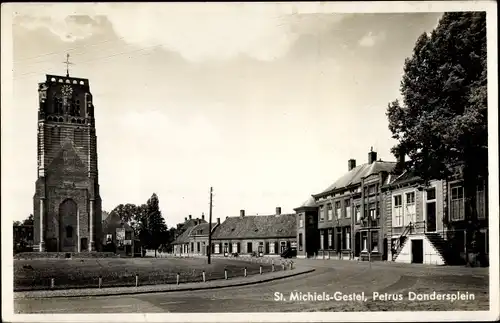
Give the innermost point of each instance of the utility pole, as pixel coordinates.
(209, 251)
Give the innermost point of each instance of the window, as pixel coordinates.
(311, 220)
(481, 200)
(283, 246)
(410, 207)
(364, 240)
(373, 211)
(358, 213)
(109, 237)
(300, 242)
(301, 222)
(337, 210)
(261, 247)
(226, 247)
(330, 246)
(198, 247)
(217, 248)
(330, 212)
(192, 246)
(347, 206)
(271, 248)
(249, 247)
(457, 203)
(374, 245)
(397, 208)
(235, 248)
(431, 194)
(69, 231)
(347, 238)
(372, 189)
(321, 214)
(322, 241)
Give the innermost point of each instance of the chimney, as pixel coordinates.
(278, 210)
(351, 164)
(218, 221)
(372, 156)
(195, 222)
(190, 217)
(401, 158)
(203, 216)
(227, 217)
(242, 213)
(185, 219)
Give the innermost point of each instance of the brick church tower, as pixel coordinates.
(67, 204)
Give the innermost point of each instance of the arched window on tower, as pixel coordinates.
(69, 231)
(77, 107)
(58, 105)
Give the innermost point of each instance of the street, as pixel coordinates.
(330, 277)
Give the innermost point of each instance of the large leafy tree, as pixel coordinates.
(157, 229)
(441, 123)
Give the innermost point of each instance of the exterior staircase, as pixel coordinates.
(442, 246)
(401, 241)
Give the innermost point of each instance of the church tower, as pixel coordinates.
(67, 204)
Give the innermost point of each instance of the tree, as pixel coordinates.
(156, 226)
(441, 123)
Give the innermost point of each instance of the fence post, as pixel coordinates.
(225, 273)
(314, 255)
(204, 276)
(272, 267)
(291, 265)
(283, 265)
(100, 281)
(245, 271)
(260, 269)
(178, 278)
(52, 283)
(136, 280)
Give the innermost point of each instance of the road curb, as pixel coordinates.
(167, 288)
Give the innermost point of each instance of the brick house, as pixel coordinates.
(349, 212)
(427, 223)
(261, 235)
(118, 236)
(194, 240)
(307, 229)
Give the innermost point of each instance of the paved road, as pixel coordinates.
(330, 276)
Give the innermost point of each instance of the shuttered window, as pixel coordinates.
(397, 211)
(457, 206)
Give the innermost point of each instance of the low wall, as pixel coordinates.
(63, 255)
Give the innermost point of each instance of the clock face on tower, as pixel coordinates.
(66, 91)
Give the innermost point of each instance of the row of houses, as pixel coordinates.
(259, 235)
(372, 212)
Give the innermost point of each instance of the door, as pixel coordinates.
(386, 249)
(357, 244)
(417, 251)
(430, 210)
(68, 235)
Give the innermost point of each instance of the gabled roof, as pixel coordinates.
(257, 226)
(200, 229)
(405, 178)
(355, 175)
(112, 222)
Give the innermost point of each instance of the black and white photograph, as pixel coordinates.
(249, 161)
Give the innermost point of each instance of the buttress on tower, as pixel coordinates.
(67, 204)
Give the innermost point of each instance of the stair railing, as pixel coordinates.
(400, 242)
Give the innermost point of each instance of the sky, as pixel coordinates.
(264, 102)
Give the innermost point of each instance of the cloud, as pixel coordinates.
(370, 39)
(199, 32)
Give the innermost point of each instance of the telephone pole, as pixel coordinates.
(209, 251)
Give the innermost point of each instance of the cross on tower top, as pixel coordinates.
(68, 63)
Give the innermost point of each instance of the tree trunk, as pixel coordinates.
(471, 228)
